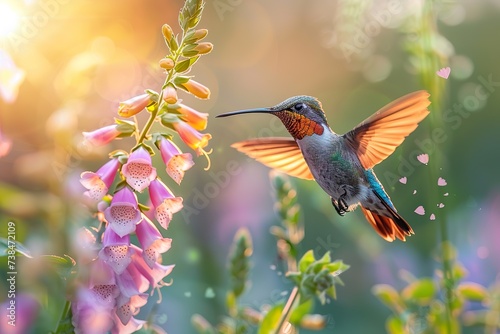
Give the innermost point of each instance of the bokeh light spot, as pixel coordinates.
(9, 20)
(482, 252)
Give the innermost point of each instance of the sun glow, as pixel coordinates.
(9, 20)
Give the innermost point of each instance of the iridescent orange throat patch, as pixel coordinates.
(298, 125)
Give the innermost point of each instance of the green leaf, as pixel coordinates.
(8, 246)
(389, 296)
(473, 291)
(306, 261)
(337, 267)
(300, 311)
(395, 325)
(271, 319)
(191, 61)
(64, 265)
(421, 291)
(231, 304)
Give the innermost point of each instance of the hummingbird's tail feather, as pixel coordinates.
(388, 228)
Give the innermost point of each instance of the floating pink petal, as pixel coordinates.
(440, 205)
(442, 182)
(414, 192)
(446, 194)
(423, 158)
(444, 72)
(432, 217)
(420, 210)
(403, 180)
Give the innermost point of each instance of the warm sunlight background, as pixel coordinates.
(80, 58)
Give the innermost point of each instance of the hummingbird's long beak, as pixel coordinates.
(246, 111)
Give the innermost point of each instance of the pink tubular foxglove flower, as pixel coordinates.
(98, 183)
(90, 316)
(152, 241)
(175, 161)
(123, 213)
(115, 251)
(102, 136)
(194, 139)
(138, 170)
(196, 119)
(24, 311)
(154, 275)
(134, 105)
(164, 202)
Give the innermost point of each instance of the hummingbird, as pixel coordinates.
(342, 165)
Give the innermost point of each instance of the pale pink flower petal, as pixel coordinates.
(132, 326)
(420, 210)
(127, 307)
(123, 213)
(154, 275)
(102, 136)
(175, 161)
(98, 183)
(134, 105)
(403, 180)
(423, 158)
(446, 194)
(152, 242)
(442, 182)
(90, 316)
(138, 171)
(414, 192)
(440, 205)
(116, 251)
(432, 217)
(444, 72)
(131, 282)
(164, 202)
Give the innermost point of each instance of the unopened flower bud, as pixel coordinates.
(199, 34)
(204, 48)
(167, 63)
(197, 89)
(170, 95)
(167, 32)
(134, 105)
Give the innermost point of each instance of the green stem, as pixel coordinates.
(431, 61)
(287, 310)
(62, 324)
(154, 113)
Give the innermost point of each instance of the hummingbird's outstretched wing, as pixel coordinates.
(282, 154)
(377, 137)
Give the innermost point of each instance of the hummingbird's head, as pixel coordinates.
(302, 115)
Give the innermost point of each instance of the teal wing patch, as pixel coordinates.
(377, 187)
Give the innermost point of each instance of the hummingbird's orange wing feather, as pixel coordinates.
(377, 137)
(282, 154)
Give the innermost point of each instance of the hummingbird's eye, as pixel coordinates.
(299, 106)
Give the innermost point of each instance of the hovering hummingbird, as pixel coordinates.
(341, 164)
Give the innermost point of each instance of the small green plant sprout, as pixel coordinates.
(419, 307)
